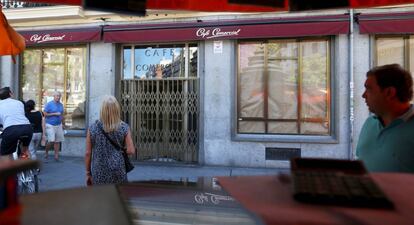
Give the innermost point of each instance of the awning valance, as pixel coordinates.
(230, 29)
(390, 23)
(80, 35)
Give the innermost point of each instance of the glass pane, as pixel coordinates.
(193, 52)
(283, 128)
(53, 80)
(251, 70)
(283, 49)
(75, 89)
(159, 62)
(390, 50)
(283, 89)
(251, 127)
(286, 72)
(315, 128)
(39, 83)
(55, 55)
(127, 63)
(314, 80)
(31, 87)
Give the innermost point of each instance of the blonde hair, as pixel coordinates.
(110, 114)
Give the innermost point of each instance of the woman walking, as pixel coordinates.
(104, 162)
(36, 119)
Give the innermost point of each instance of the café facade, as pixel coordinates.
(249, 90)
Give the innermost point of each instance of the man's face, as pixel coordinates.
(56, 97)
(374, 96)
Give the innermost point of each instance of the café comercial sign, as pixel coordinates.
(216, 33)
(36, 38)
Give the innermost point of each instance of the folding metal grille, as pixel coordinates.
(163, 116)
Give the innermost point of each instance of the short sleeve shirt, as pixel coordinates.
(12, 113)
(53, 107)
(390, 148)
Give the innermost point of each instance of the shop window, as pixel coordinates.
(46, 70)
(395, 49)
(159, 61)
(283, 87)
(390, 50)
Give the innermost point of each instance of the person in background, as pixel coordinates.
(53, 113)
(104, 163)
(36, 119)
(386, 141)
(15, 124)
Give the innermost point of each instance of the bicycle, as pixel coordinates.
(28, 181)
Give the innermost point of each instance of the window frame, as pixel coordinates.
(69, 132)
(289, 138)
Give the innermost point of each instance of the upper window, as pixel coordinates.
(160, 61)
(395, 49)
(283, 87)
(46, 70)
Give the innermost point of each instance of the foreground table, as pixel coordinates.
(270, 198)
(147, 202)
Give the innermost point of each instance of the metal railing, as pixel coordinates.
(18, 4)
(163, 117)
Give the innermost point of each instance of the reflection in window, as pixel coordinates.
(390, 50)
(400, 50)
(283, 87)
(160, 61)
(127, 63)
(395, 49)
(56, 69)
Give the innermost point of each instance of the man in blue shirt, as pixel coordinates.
(386, 141)
(53, 112)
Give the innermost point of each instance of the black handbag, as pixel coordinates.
(128, 165)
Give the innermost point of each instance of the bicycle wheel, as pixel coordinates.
(28, 182)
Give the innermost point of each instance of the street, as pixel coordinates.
(71, 172)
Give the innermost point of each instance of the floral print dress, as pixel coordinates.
(107, 164)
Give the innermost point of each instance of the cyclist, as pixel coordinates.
(15, 124)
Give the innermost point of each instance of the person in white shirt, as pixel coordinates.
(15, 124)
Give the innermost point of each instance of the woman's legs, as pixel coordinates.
(34, 144)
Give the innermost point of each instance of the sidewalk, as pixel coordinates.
(71, 172)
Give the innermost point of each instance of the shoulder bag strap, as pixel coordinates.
(110, 140)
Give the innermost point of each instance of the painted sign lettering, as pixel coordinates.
(215, 33)
(36, 38)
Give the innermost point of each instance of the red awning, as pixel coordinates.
(391, 23)
(246, 29)
(80, 35)
(372, 3)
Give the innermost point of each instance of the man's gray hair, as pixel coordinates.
(57, 93)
